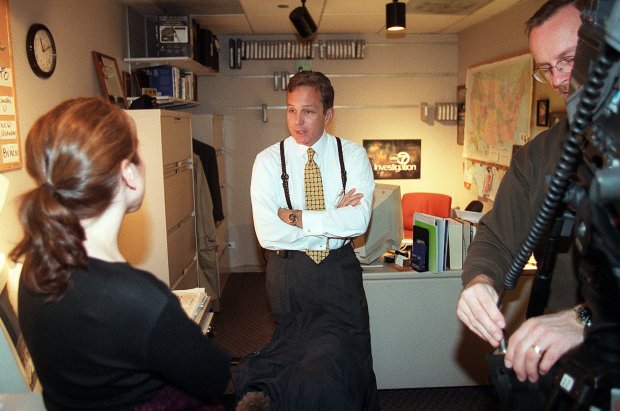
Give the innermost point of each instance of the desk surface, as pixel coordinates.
(384, 271)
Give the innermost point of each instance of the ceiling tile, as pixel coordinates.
(342, 24)
(425, 23)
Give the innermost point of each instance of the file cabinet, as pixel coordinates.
(161, 236)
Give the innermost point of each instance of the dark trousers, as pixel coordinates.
(296, 283)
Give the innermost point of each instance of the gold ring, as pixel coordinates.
(536, 349)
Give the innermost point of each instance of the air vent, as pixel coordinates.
(446, 7)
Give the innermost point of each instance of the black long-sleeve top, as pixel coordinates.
(115, 340)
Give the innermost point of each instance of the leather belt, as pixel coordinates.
(290, 253)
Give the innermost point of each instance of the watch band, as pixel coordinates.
(584, 315)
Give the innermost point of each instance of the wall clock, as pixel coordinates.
(41, 50)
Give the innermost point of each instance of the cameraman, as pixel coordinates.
(540, 341)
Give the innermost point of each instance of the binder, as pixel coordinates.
(466, 235)
(419, 249)
(438, 242)
(432, 250)
(232, 52)
(455, 244)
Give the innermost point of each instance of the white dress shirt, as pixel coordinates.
(335, 225)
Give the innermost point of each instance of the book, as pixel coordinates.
(419, 248)
(455, 244)
(432, 243)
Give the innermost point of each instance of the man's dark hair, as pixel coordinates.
(549, 9)
(317, 80)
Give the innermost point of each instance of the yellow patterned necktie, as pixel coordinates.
(314, 197)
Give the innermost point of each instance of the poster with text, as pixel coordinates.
(394, 159)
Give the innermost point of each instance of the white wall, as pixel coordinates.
(377, 97)
(78, 26)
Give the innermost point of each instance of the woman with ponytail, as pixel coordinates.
(101, 334)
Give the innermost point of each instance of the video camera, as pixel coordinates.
(586, 184)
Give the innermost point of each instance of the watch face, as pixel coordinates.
(41, 50)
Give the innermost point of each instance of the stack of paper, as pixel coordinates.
(455, 244)
(471, 216)
(194, 302)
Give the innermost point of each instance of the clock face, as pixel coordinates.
(41, 50)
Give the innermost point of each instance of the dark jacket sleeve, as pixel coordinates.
(504, 228)
(184, 357)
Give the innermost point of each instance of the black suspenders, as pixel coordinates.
(343, 171)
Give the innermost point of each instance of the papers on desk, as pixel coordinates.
(470, 216)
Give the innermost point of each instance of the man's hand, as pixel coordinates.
(540, 342)
(477, 309)
(351, 198)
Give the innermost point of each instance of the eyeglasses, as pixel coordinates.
(543, 74)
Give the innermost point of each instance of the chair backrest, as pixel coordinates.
(430, 203)
(475, 205)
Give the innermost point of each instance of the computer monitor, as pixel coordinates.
(385, 230)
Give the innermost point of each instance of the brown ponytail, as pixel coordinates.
(73, 153)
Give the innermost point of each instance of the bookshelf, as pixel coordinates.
(185, 63)
(170, 103)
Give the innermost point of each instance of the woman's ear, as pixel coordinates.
(128, 174)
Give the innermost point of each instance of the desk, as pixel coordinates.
(417, 340)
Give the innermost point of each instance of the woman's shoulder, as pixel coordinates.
(127, 281)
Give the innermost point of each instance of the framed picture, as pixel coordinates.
(110, 79)
(394, 159)
(542, 113)
(127, 84)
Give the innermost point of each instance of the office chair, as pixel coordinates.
(430, 203)
(475, 205)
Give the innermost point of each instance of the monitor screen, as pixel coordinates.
(385, 230)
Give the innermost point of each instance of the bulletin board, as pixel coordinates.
(10, 154)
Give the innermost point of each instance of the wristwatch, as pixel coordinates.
(292, 218)
(584, 315)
